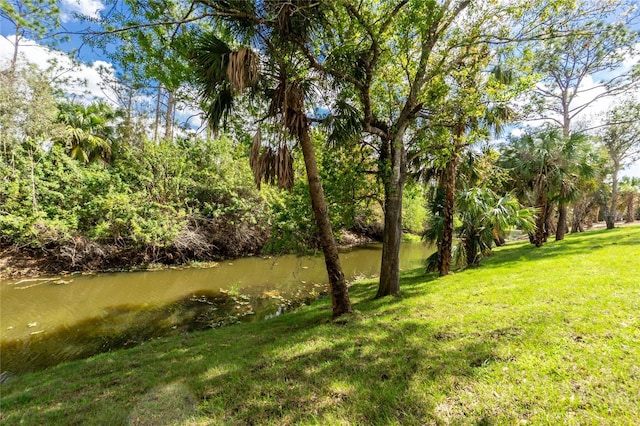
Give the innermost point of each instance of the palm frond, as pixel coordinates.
(242, 69)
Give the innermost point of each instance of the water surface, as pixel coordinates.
(45, 321)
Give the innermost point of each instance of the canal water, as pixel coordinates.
(45, 321)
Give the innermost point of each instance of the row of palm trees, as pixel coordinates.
(630, 194)
(547, 176)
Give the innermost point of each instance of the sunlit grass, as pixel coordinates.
(535, 336)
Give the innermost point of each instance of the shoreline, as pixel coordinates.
(16, 264)
(23, 264)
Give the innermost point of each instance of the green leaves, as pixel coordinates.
(87, 134)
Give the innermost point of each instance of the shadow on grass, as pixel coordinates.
(377, 366)
(291, 369)
(573, 244)
(126, 326)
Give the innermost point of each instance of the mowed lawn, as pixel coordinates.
(545, 335)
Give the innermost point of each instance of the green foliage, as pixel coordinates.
(87, 134)
(146, 197)
(414, 208)
(293, 227)
(508, 342)
(485, 217)
(351, 194)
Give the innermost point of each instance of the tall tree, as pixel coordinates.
(385, 59)
(621, 140)
(391, 57)
(225, 73)
(540, 165)
(583, 67)
(29, 19)
(149, 42)
(476, 104)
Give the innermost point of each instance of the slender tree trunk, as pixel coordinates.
(562, 227)
(610, 217)
(34, 197)
(541, 220)
(339, 291)
(389, 284)
(562, 221)
(169, 116)
(156, 124)
(14, 59)
(446, 245)
(549, 226)
(449, 177)
(470, 249)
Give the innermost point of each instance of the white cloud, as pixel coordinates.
(89, 8)
(76, 79)
(85, 83)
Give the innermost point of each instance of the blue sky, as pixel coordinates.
(91, 59)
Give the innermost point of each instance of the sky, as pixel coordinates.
(84, 79)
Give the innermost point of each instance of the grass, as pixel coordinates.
(534, 336)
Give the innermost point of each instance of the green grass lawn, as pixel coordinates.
(534, 336)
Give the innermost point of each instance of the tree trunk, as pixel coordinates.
(578, 217)
(169, 116)
(156, 124)
(549, 226)
(339, 291)
(562, 221)
(541, 220)
(34, 197)
(19, 33)
(449, 177)
(446, 245)
(610, 218)
(470, 249)
(630, 204)
(393, 187)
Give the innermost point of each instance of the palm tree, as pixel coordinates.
(87, 133)
(224, 74)
(472, 113)
(484, 216)
(543, 172)
(629, 188)
(574, 165)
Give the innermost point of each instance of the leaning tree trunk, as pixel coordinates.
(393, 187)
(610, 217)
(446, 244)
(339, 291)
